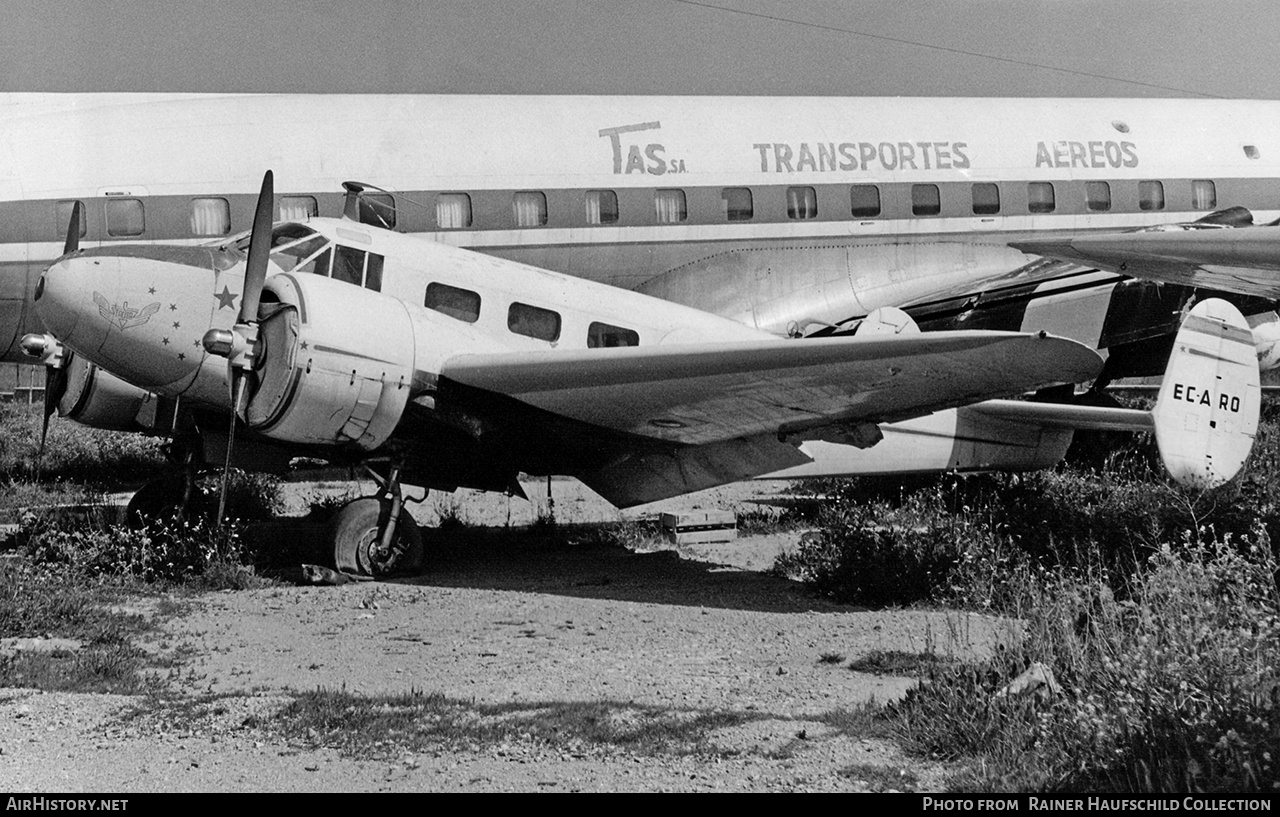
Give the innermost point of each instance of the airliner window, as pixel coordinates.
(925, 200)
(62, 218)
(737, 204)
(669, 206)
(1204, 196)
(533, 322)
(1040, 197)
(298, 208)
(1150, 195)
(529, 208)
(802, 203)
(602, 335)
(864, 200)
(348, 265)
(462, 304)
(1098, 196)
(210, 217)
(986, 199)
(125, 217)
(602, 207)
(453, 211)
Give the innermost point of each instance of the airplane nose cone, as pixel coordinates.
(137, 311)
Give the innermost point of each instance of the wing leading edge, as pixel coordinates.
(707, 393)
(719, 413)
(1243, 260)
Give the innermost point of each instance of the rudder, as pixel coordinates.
(1206, 415)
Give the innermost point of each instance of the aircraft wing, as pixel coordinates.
(710, 393)
(1244, 260)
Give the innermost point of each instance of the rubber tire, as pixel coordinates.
(157, 501)
(355, 528)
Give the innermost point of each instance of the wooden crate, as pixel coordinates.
(694, 527)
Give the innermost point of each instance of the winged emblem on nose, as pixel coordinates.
(122, 315)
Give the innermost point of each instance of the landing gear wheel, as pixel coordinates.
(159, 502)
(356, 531)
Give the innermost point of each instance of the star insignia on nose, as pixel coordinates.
(173, 307)
(226, 298)
(165, 341)
(151, 290)
(182, 355)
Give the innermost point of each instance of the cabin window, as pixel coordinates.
(529, 207)
(125, 217)
(378, 209)
(62, 217)
(925, 200)
(1204, 195)
(1041, 197)
(210, 217)
(986, 199)
(602, 335)
(348, 265)
(298, 208)
(802, 203)
(533, 322)
(453, 211)
(738, 206)
(1097, 196)
(669, 206)
(1251, 152)
(602, 207)
(460, 304)
(864, 200)
(1150, 195)
(373, 273)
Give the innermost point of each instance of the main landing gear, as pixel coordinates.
(373, 537)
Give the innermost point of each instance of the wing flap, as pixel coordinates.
(707, 393)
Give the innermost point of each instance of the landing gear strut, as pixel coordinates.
(373, 537)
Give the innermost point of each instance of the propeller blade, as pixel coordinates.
(237, 390)
(255, 272)
(73, 230)
(55, 386)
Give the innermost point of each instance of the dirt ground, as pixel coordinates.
(501, 617)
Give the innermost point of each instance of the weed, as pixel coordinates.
(385, 725)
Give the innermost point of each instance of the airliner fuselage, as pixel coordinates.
(786, 214)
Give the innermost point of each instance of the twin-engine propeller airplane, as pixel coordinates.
(455, 369)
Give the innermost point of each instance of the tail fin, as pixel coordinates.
(1206, 416)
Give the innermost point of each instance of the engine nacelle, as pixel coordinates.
(97, 398)
(336, 366)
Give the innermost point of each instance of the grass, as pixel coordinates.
(1155, 609)
(417, 722)
(39, 602)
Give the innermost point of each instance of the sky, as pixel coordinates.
(768, 47)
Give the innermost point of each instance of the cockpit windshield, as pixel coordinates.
(297, 248)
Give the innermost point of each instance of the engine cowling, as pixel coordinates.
(97, 398)
(336, 364)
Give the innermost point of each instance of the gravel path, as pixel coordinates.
(505, 618)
